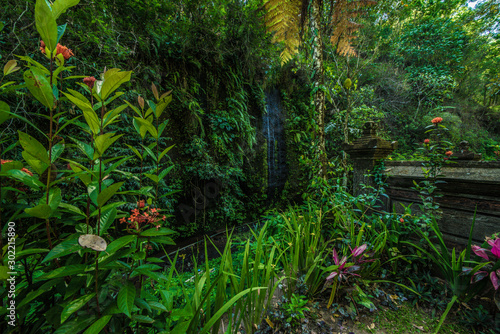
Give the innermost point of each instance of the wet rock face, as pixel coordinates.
(274, 133)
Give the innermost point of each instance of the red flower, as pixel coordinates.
(448, 153)
(89, 81)
(427, 141)
(437, 120)
(401, 220)
(61, 49)
(42, 47)
(141, 204)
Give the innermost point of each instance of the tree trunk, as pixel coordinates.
(318, 82)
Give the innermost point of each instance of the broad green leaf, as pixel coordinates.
(79, 99)
(35, 63)
(111, 115)
(60, 29)
(134, 108)
(38, 166)
(41, 211)
(150, 152)
(4, 112)
(75, 326)
(160, 107)
(141, 303)
(75, 305)
(54, 198)
(84, 229)
(107, 218)
(46, 24)
(142, 318)
(30, 251)
(149, 127)
(157, 306)
(162, 127)
(119, 243)
(60, 6)
(140, 130)
(10, 67)
(65, 271)
(39, 86)
(165, 172)
(165, 151)
(103, 142)
(92, 120)
(30, 296)
(64, 248)
(112, 259)
(57, 150)
(117, 164)
(33, 147)
(84, 147)
(111, 99)
(71, 208)
(107, 207)
(153, 177)
(154, 232)
(126, 297)
(107, 193)
(6, 166)
(25, 178)
(82, 175)
(112, 80)
(99, 325)
(163, 240)
(88, 113)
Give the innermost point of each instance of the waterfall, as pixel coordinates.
(274, 133)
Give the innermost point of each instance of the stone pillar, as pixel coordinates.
(365, 152)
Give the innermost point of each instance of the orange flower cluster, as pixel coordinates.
(437, 120)
(427, 141)
(89, 81)
(60, 49)
(23, 169)
(138, 218)
(448, 153)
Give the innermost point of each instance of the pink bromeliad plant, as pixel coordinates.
(493, 257)
(342, 269)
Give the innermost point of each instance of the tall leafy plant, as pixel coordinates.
(84, 282)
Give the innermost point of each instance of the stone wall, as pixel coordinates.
(469, 185)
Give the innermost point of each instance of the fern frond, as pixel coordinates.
(282, 17)
(343, 26)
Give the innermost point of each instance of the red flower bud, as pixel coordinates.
(61, 49)
(437, 120)
(89, 81)
(427, 141)
(401, 220)
(42, 47)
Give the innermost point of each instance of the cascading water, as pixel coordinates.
(274, 133)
